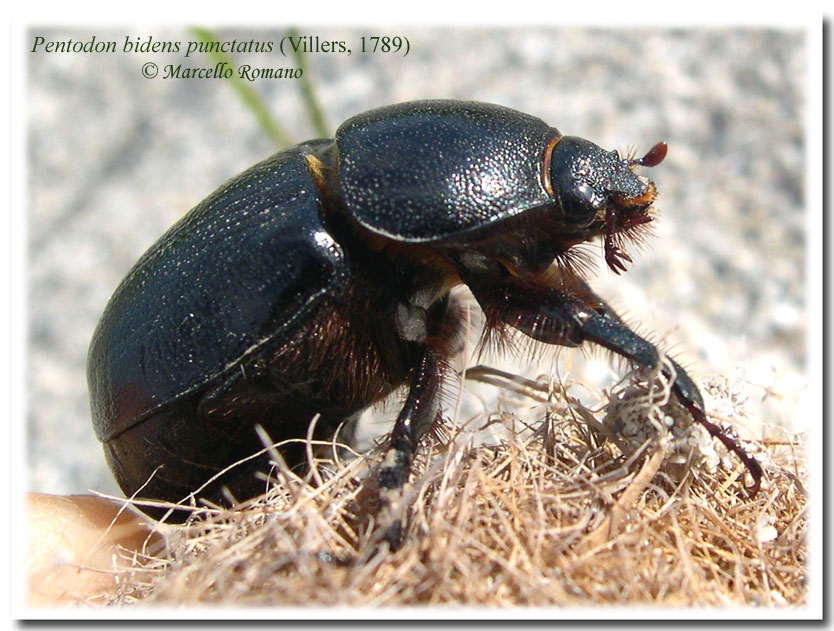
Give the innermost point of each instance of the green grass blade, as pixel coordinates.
(311, 103)
(250, 98)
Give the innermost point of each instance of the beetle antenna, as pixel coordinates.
(653, 157)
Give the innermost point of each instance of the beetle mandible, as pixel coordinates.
(318, 281)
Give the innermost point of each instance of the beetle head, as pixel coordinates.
(599, 193)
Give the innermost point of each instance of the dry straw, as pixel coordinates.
(624, 504)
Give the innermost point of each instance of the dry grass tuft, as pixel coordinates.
(588, 507)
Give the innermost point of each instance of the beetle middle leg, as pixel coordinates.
(429, 370)
(413, 421)
(572, 315)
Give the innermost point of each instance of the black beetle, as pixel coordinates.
(317, 282)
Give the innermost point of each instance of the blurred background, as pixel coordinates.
(115, 158)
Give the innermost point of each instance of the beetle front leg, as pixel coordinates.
(622, 340)
(568, 318)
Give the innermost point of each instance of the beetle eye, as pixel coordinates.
(579, 203)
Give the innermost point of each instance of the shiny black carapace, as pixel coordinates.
(317, 282)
